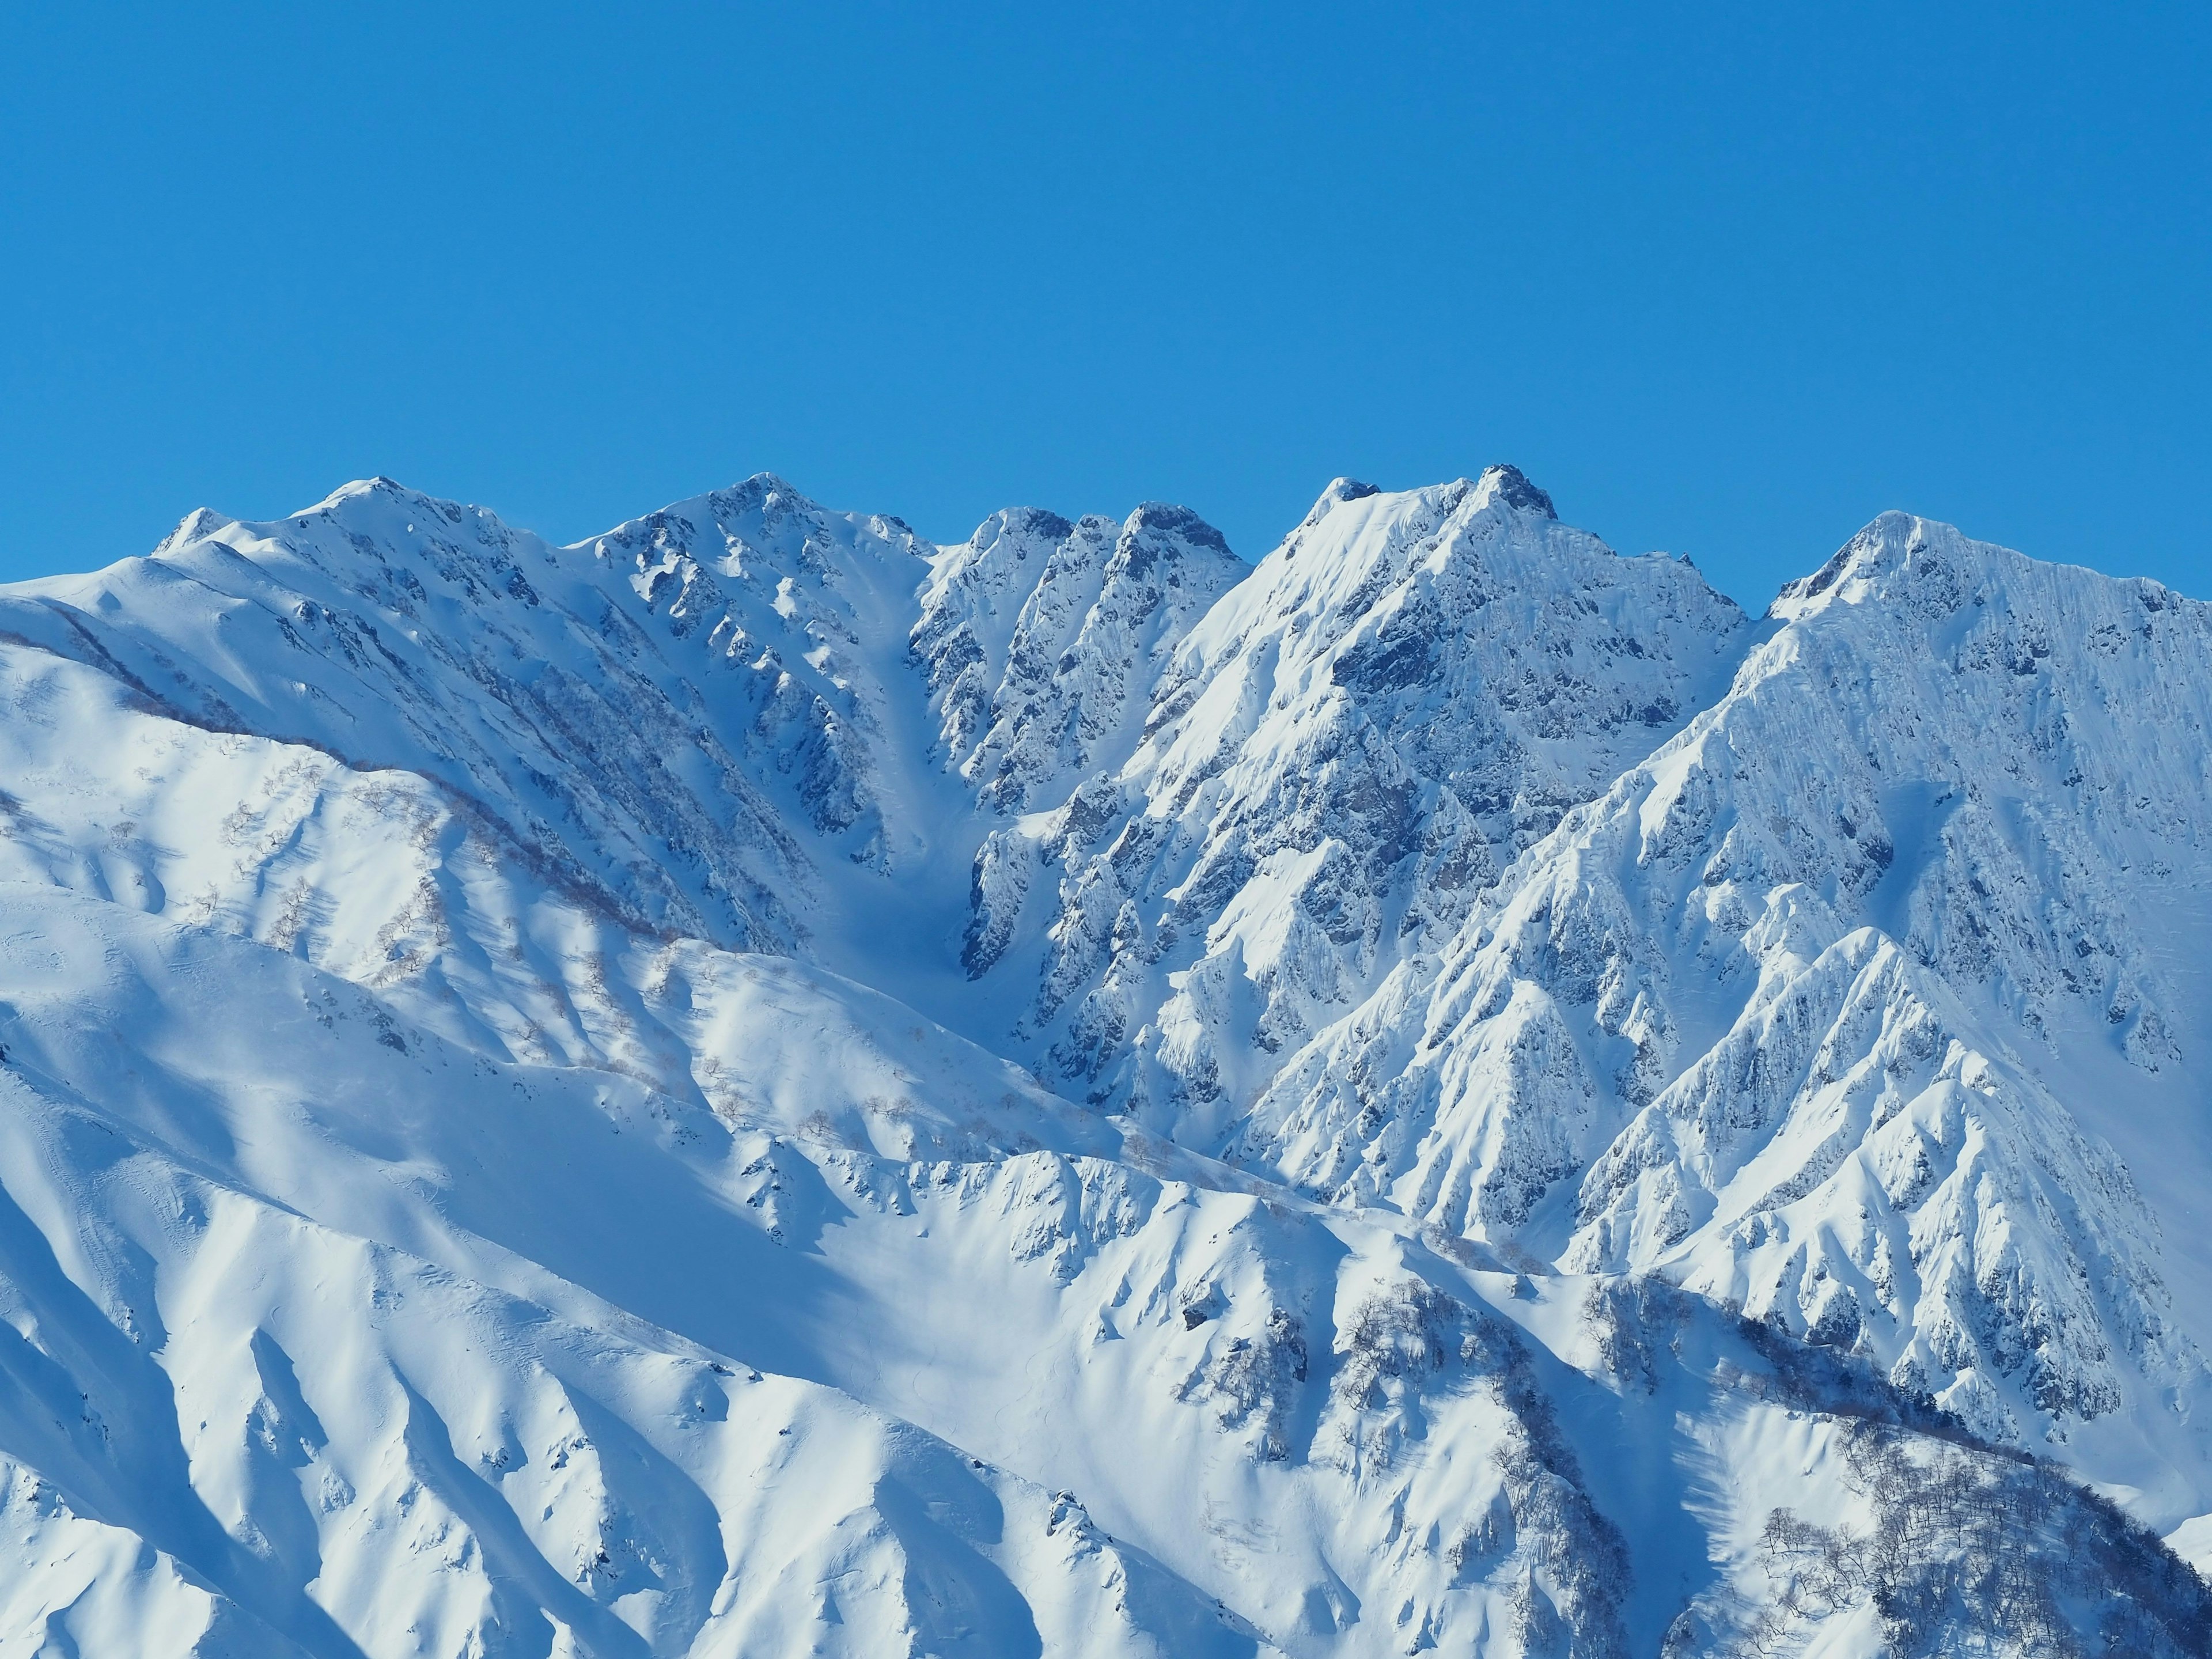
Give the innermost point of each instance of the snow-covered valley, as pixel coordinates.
(758, 1085)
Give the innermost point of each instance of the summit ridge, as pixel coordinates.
(754, 1083)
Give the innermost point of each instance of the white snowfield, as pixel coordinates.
(757, 1086)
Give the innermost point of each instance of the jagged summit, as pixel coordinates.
(381, 495)
(1895, 556)
(1504, 484)
(1673, 1039)
(1931, 569)
(1510, 485)
(1042, 639)
(757, 1083)
(1341, 756)
(1165, 518)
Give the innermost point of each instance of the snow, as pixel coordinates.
(755, 1084)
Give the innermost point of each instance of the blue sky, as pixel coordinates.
(1726, 280)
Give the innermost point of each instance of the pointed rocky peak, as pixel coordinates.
(1342, 491)
(977, 590)
(1161, 520)
(1882, 543)
(760, 512)
(1160, 542)
(196, 526)
(760, 531)
(1905, 571)
(763, 502)
(1013, 540)
(375, 506)
(1361, 552)
(1041, 639)
(1920, 571)
(1510, 487)
(1026, 523)
(1338, 553)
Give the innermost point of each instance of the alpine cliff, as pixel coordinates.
(756, 1084)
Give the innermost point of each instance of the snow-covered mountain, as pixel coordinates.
(755, 1084)
(1844, 1004)
(1337, 761)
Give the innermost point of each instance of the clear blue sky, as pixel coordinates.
(1726, 280)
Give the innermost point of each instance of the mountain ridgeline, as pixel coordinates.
(756, 1084)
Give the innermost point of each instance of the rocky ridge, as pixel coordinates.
(1450, 938)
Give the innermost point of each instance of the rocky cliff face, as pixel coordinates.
(1800, 1011)
(756, 1084)
(1334, 764)
(1043, 641)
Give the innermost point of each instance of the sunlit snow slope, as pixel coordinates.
(755, 1085)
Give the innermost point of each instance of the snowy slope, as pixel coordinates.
(520, 1130)
(1838, 1006)
(1337, 759)
(1044, 640)
(377, 1346)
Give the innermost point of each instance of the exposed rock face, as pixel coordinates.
(1790, 1012)
(1586, 1123)
(1335, 763)
(655, 717)
(1043, 641)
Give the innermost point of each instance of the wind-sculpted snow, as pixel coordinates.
(375, 879)
(1580, 1157)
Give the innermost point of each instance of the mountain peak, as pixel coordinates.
(1513, 1003)
(391, 492)
(750, 493)
(1339, 492)
(1900, 559)
(1510, 485)
(1503, 483)
(200, 522)
(1166, 518)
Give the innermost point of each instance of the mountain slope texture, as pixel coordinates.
(758, 1085)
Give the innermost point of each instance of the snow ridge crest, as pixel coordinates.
(1367, 1022)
